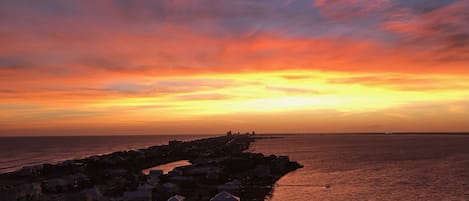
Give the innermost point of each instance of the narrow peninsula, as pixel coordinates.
(220, 168)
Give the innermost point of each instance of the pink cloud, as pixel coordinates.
(443, 30)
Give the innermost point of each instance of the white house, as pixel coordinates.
(224, 196)
(177, 198)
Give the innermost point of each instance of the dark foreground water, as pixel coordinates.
(355, 167)
(373, 167)
(16, 152)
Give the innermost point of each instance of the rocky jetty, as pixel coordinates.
(220, 166)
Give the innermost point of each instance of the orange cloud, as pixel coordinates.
(406, 82)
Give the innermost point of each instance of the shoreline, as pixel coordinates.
(218, 164)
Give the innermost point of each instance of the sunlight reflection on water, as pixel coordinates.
(366, 167)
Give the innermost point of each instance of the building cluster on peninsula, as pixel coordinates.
(220, 169)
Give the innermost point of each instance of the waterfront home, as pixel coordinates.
(224, 196)
(176, 198)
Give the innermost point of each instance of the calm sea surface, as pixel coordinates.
(355, 167)
(373, 167)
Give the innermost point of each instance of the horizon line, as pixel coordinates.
(267, 133)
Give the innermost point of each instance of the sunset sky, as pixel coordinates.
(177, 67)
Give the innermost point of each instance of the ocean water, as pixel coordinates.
(372, 167)
(16, 152)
